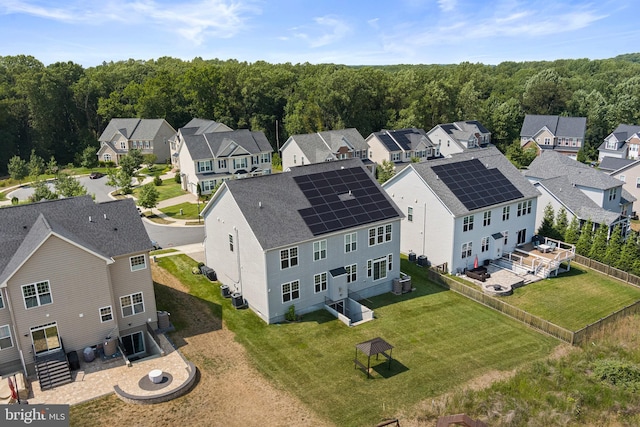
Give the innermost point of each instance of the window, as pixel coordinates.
(487, 218)
(294, 159)
(547, 141)
(288, 258)
(351, 272)
(147, 144)
(613, 193)
(133, 344)
(290, 291)
(231, 242)
(350, 241)
(506, 236)
(377, 268)
(466, 249)
(320, 282)
(138, 262)
(467, 223)
(484, 245)
(622, 178)
(380, 234)
(106, 314)
(637, 182)
(205, 166)
(222, 164)
(132, 304)
(390, 262)
(395, 157)
(319, 250)
(5, 337)
(240, 163)
(410, 214)
(505, 213)
(207, 185)
(36, 294)
(522, 236)
(123, 145)
(1, 300)
(106, 157)
(524, 208)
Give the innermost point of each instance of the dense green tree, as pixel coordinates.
(561, 223)
(68, 186)
(18, 168)
(385, 171)
(41, 191)
(546, 228)
(545, 93)
(129, 163)
(599, 244)
(88, 157)
(614, 247)
(629, 253)
(52, 166)
(572, 233)
(583, 246)
(36, 165)
(148, 196)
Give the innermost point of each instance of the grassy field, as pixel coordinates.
(441, 339)
(167, 190)
(574, 299)
(189, 210)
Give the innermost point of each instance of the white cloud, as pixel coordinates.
(336, 30)
(447, 5)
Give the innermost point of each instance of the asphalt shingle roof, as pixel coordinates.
(610, 164)
(403, 139)
(271, 203)
(560, 126)
(205, 126)
(132, 129)
(318, 147)
(115, 228)
(210, 145)
(491, 157)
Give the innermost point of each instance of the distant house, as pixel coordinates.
(72, 273)
(401, 146)
(150, 136)
(459, 136)
(472, 204)
(623, 142)
(564, 135)
(209, 158)
(308, 237)
(627, 171)
(325, 146)
(195, 126)
(584, 192)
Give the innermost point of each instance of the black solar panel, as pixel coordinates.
(388, 142)
(476, 186)
(342, 199)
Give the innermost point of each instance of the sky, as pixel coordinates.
(350, 32)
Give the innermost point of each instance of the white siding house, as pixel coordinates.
(460, 136)
(307, 237)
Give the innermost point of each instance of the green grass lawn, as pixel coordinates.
(442, 340)
(189, 210)
(168, 190)
(574, 299)
(157, 170)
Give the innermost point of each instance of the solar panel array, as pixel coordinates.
(341, 199)
(388, 142)
(475, 185)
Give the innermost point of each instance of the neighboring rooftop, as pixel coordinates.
(611, 164)
(322, 146)
(224, 144)
(559, 126)
(205, 126)
(132, 129)
(403, 139)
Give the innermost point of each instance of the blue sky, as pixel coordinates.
(370, 32)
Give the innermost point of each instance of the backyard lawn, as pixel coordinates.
(574, 299)
(167, 190)
(442, 340)
(189, 210)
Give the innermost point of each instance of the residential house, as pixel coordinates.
(459, 136)
(558, 133)
(195, 126)
(207, 159)
(625, 170)
(401, 147)
(73, 274)
(472, 205)
(623, 143)
(584, 192)
(149, 136)
(307, 237)
(325, 146)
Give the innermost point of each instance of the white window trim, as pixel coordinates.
(352, 270)
(318, 253)
(102, 315)
(1, 300)
(350, 242)
(138, 267)
(381, 234)
(291, 291)
(371, 267)
(323, 282)
(289, 257)
(37, 294)
(132, 305)
(8, 329)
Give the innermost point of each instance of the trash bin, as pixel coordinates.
(89, 355)
(74, 362)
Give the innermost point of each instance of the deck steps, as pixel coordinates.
(53, 373)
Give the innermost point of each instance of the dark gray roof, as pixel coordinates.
(403, 139)
(133, 129)
(205, 126)
(271, 203)
(551, 164)
(320, 146)
(374, 346)
(115, 228)
(491, 157)
(577, 202)
(610, 164)
(621, 148)
(623, 131)
(212, 145)
(560, 126)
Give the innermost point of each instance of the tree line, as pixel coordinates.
(60, 109)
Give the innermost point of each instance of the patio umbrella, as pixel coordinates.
(14, 394)
(475, 262)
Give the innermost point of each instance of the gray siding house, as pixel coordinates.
(72, 273)
(558, 133)
(459, 136)
(150, 136)
(307, 237)
(472, 204)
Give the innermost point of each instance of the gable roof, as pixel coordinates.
(611, 164)
(133, 129)
(624, 131)
(206, 126)
(115, 229)
(559, 126)
(212, 145)
(320, 146)
(494, 162)
(402, 139)
(550, 164)
(275, 206)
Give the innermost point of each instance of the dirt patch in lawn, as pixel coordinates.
(230, 392)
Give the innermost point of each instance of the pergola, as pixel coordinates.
(372, 347)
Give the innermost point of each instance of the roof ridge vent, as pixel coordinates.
(90, 218)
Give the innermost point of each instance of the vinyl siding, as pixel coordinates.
(293, 150)
(127, 282)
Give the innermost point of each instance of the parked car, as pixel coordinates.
(155, 245)
(95, 175)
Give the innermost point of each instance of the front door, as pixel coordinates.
(45, 338)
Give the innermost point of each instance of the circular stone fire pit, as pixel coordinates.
(497, 290)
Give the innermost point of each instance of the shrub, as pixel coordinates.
(619, 373)
(290, 315)
(177, 177)
(14, 200)
(157, 181)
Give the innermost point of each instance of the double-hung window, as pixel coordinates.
(505, 213)
(1, 300)
(231, 242)
(288, 257)
(467, 223)
(380, 234)
(138, 262)
(132, 304)
(484, 245)
(36, 294)
(106, 314)
(351, 273)
(205, 166)
(613, 192)
(290, 291)
(487, 218)
(320, 282)
(350, 242)
(5, 337)
(410, 214)
(319, 250)
(466, 249)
